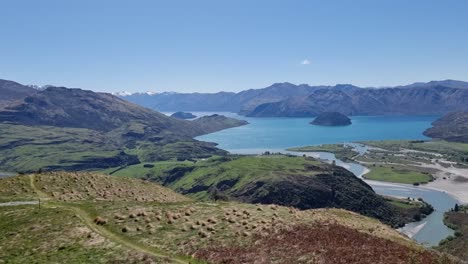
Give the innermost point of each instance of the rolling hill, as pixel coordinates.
(75, 129)
(299, 182)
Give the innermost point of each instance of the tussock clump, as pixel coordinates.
(100, 221)
(202, 234)
(142, 213)
(125, 229)
(119, 217)
(169, 215)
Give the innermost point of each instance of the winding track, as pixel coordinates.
(88, 220)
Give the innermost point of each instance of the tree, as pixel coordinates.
(456, 208)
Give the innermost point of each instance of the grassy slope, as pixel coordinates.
(26, 148)
(30, 235)
(215, 169)
(63, 230)
(49, 145)
(74, 129)
(271, 179)
(457, 245)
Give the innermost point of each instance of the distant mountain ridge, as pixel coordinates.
(386, 101)
(290, 100)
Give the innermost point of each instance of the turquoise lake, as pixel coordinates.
(277, 134)
(280, 133)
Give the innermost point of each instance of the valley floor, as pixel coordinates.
(437, 165)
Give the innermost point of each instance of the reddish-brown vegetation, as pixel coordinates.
(324, 243)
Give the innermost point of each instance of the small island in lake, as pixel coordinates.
(183, 115)
(331, 119)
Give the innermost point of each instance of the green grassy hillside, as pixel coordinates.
(270, 179)
(74, 129)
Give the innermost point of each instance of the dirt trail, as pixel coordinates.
(89, 221)
(16, 203)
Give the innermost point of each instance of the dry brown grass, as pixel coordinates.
(16, 188)
(70, 186)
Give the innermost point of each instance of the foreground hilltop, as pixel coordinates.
(169, 228)
(75, 129)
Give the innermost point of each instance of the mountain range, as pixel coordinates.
(290, 100)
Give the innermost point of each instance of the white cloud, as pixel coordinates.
(305, 62)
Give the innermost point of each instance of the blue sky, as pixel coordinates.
(209, 46)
